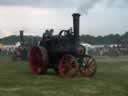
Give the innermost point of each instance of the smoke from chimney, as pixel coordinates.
(86, 5)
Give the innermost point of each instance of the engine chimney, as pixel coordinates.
(21, 37)
(76, 26)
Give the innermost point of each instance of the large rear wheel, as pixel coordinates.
(38, 60)
(67, 66)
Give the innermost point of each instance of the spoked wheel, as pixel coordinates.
(88, 68)
(38, 60)
(67, 66)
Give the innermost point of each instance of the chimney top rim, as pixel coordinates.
(76, 14)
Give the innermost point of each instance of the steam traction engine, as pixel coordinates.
(63, 53)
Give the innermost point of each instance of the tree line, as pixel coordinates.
(108, 39)
(96, 40)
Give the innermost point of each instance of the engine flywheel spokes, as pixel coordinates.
(67, 66)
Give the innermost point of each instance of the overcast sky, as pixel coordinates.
(98, 17)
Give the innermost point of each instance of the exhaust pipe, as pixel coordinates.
(76, 27)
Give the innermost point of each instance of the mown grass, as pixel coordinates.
(111, 79)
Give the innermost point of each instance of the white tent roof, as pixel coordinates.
(87, 45)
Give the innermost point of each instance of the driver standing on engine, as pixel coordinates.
(47, 37)
(48, 34)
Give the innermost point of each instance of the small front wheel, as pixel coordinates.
(88, 68)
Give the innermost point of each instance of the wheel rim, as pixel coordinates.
(67, 66)
(89, 68)
(36, 61)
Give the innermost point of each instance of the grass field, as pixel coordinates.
(111, 79)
